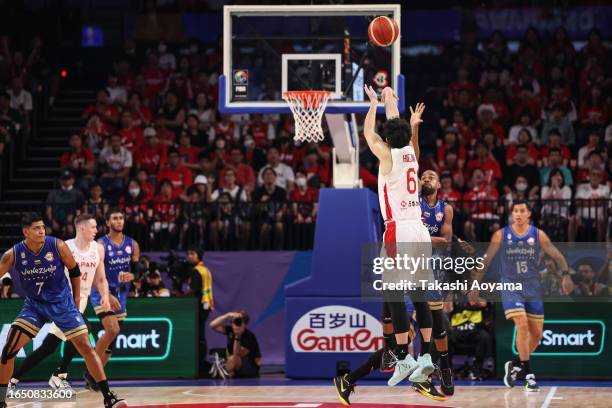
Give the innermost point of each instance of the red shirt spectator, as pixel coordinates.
(486, 118)
(179, 176)
(245, 176)
(447, 192)
(165, 208)
(451, 142)
(152, 155)
(164, 135)
(554, 140)
(481, 199)
(259, 130)
(225, 128)
(132, 137)
(462, 83)
(485, 162)
(189, 154)
(154, 76)
(141, 115)
(109, 114)
(79, 159)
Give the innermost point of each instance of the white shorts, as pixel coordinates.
(406, 231)
(54, 330)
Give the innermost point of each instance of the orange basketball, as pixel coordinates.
(383, 31)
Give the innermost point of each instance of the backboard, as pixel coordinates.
(272, 49)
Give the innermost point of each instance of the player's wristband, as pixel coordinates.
(74, 272)
(565, 273)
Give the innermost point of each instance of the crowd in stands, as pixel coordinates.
(533, 124)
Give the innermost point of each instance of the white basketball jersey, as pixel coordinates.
(88, 262)
(398, 191)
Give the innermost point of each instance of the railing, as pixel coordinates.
(274, 226)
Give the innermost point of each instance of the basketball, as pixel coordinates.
(383, 31)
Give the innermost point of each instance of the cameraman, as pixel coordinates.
(242, 346)
(200, 284)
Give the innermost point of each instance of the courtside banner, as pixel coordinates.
(157, 340)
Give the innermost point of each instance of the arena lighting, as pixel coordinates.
(63, 73)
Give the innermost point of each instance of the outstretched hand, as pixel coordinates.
(415, 114)
(371, 94)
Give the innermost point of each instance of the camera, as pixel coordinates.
(237, 321)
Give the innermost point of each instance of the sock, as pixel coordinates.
(401, 351)
(516, 362)
(104, 388)
(389, 341)
(425, 347)
(525, 367)
(366, 368)
(3, 388)
(444, 362)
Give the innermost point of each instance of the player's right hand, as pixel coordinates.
(371, 94)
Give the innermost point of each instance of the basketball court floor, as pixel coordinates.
(283, 393)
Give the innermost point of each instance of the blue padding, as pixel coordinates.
(224, 107)
(347, 219)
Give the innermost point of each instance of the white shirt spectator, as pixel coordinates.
(514, 132)
(22, 100)
(583, 152)
(116, 161)
(117, 94)
(586, 192)
(233, 193)
(561, 208)
(284, 174)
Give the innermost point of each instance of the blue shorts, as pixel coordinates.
(34, 314)
(528, 304)
(120, 294)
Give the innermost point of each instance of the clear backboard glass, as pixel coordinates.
(272, 49)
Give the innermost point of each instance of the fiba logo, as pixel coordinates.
(241, 77)
(336, 329)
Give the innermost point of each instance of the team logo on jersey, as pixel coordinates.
(439, 216)
(49, 256)
(37, 262)
(119, 252)
(426, 214)
(128, 249)
(24, 262)
(110, 248)
(23, 255)
(403, 204)
(531, 240)
(509, 237)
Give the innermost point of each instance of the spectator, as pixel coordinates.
(167, 60)
(134, 203)
(245, 176)
(552, 277)
(116, 93)
(203, 112)
(153, 286)
(462, 83)
(451, 165)
(516, 192)
(594, 161)
(317, 169)
(164, 215)
(195, 214)
(141, 115)
(189, 154)
(154, 77)
(289, 153)
(80, 161)
(227, 129)
(242, 346)
(253, 156)
(594, 111)
(485, 162)
(145, 182)
(526, 104)
(270, 203)
(556, 200)
(97, 206)
(9, 120)
(62, 205)
(151, 156)
(21, 101)
(451, 142)
(132, 136)
(555, 162)
(95, 134)
(554, 141)
(480, 201)
(304, 201)
(172, 112)
(178, 175)
(560, 123)
(236, 192)
(522, 167)
(524, 138)
(228, 230)
(6, 287)
(592, 145)
(587, 286)
(199, 137)
(284, 174)
(486, 118)
(447, 192)
(591, 211)
(201, 286)
(107, 112)
(220, 155)
(259, 130)
(115, 166)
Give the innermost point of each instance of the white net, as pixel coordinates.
(307, 108)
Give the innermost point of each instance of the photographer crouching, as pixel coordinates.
(242, 346)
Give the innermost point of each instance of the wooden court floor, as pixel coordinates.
(325, 397)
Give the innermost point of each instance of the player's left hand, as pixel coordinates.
(567, 284)
(386, 93)
(126, 277)
(371, 94)
(105, 303)
(415, 114)
(114, 303)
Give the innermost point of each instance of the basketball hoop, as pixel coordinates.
(307, 108)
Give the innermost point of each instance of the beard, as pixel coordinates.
(427, 190)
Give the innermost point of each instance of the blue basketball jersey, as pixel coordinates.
(41, 274)
(433, 217)
(117, 259)
(520, 254)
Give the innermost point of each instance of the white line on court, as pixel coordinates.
(549, 397)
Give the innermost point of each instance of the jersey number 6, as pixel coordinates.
(411, 180)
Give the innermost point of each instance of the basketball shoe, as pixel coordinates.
(59, 381)
(447, 384)
(424, 368)
(428, 389)
(387, 361)
(344, 389)
(530, 383)
(403, 368)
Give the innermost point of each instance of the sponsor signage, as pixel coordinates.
(569, 338)
(336, 329)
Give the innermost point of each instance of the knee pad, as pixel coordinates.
(423, 315)
(10, 349)
(439, 324)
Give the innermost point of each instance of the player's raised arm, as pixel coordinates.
(73, 269)
(548, 247)
(6, 262)
(380, 149)
(415, 122)
(389, 98)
